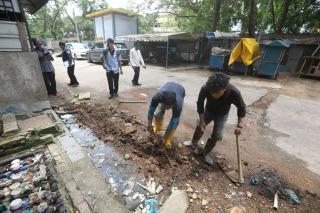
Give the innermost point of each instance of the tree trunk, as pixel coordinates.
(252, 18)
(284, 15)
(216, 14)
(45, 21)
(274, 25)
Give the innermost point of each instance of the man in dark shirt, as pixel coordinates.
(219, 95)
(170, 96)
(47, 68)
(68, 62)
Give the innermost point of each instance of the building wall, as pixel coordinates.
(9, 36)
(98, 27)
(125, 25)
(21, 82)
(108, 26)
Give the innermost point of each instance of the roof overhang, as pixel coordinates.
(32, 6)
(160, 37)
(110, 11)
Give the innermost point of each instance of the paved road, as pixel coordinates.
(294, 120)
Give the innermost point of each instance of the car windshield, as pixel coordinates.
(121, 46)
(78, 46)
(99, 45)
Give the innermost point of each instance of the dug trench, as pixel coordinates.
(180, 168)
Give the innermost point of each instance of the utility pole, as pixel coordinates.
(77, 31)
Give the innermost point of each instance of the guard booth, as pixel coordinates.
(272, 57)
(243, 55)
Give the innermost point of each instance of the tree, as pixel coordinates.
(216, 14)
(252, 18)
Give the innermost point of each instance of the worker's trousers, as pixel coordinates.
(217, 131)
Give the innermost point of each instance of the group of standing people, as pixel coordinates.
(48, 71)
(112, 65)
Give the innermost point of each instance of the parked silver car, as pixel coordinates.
(95, 54)
(78, 50)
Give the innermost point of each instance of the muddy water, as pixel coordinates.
(118, 172)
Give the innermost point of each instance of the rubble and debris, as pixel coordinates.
(127, 156)
(204, 202)
(254, 180)
(236, 210)
(177, 202)
(249, 194)
(84, 96)
(9, 123)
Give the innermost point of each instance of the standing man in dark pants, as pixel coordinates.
(219, 95)
(112, 65)
(47, 68)
(68, 62)
(136, 61)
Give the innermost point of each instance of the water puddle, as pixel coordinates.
(121, 174)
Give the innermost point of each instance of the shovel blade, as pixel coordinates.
(234, 176)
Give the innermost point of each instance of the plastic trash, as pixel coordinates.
(152, 205)
(291, 195)
(254, 180)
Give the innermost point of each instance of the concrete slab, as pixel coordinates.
(84, 96)
(71, 147)
(9, 123)
(178, 202)
(36, 122)
(298, 120)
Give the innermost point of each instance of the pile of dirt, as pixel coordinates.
(177, 167)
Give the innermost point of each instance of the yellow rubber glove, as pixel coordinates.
(168, 138)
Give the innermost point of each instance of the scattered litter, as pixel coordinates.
(229, 194)
(194, 196)
(291, 195)
(187, 143)
(254, 180)
(159, 189)
(151, 205)
(92, 146)
(151, 185)
(202, 142)
(215, 193)
(275, 201)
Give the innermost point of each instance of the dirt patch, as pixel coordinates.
(179, 167)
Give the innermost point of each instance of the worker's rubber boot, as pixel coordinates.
(207, 151)
(195, 138)
(158, 126)
(168, 138)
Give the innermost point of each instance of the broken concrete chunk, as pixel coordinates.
(178, 202)
(54, 129)
(84, 96)
(9, 123)
(127, 156)
(249, 194)
(204, 202)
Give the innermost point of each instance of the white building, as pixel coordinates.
(113, 22)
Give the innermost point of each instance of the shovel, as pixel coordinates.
(233, 175)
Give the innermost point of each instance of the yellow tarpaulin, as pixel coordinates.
(246, 51)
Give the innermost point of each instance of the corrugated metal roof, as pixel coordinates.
(32, 6)
(158, 37)
(110, 11)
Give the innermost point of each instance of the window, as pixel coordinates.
(8, 12)
(99, 45)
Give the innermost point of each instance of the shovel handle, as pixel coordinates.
(241, 179)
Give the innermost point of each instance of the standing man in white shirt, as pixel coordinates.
(136, 61)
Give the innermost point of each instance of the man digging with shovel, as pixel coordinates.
(219, 95)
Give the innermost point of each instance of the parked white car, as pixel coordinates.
(78, 50)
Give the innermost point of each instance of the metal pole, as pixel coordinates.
(77, 31)
(167, 53)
